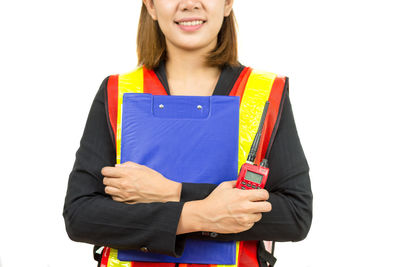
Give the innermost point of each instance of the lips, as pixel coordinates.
(188, 27)
(191, 23)
(190, 20)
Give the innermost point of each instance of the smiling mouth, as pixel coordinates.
(190, 23)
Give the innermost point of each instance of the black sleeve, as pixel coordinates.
(288, 184)
(92, 216)
(195, 191)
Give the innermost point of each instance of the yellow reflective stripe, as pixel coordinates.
(114, 262)
(131, 82)
(257, 91)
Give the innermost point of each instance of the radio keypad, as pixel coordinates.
(249, 185)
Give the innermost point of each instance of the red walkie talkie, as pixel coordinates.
(252, 176)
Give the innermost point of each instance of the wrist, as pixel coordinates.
(175, 193)
(191, 219)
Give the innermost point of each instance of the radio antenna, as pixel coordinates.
(254, 147)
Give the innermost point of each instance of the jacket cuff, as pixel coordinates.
(177, 242)
(180, 244)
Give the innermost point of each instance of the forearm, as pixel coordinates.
(192, 194)
(93, 217)
(190, 220)
(289, 220)
(289, 187)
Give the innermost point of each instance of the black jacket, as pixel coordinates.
(92, 216)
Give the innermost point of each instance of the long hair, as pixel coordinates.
(152, 49)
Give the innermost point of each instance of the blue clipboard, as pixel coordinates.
(187, 139)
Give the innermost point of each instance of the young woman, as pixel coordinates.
(185, 47)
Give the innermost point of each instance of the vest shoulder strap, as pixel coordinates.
(111, 104)
(116, 86)
(272, 119)
(259, 87)
(276, 87)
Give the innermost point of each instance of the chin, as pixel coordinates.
(191, 47)
(193, 44)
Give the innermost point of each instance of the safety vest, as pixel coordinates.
(254, 88)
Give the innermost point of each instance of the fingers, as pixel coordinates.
(252, 195)
(128, 164)
(118, 199)
(112, 172)
(112, 191)
(255, 217)
(229, 184)
(256, 194)
(117, 171)
(257, 207)
(113, 182)
(253, 212)
(249, 219)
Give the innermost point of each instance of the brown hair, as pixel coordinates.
(152, 49)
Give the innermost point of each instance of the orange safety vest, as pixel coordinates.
(254, 88)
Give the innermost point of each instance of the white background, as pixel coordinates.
(342, 58)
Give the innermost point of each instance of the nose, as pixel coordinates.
(189, 4)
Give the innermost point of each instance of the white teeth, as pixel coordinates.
(191, 23)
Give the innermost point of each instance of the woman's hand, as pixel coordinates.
(231, 210)
(132, 183)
